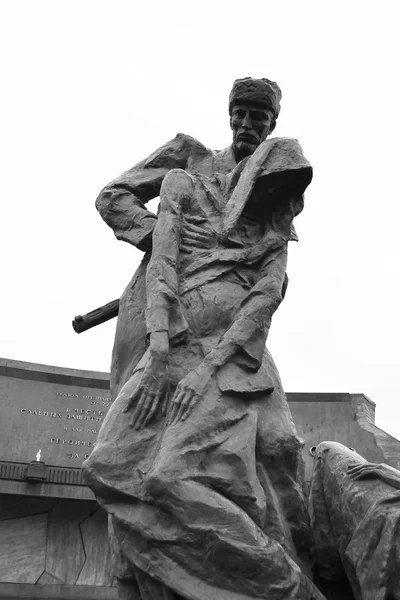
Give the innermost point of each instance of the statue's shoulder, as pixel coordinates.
(188, 140)
(285, 151)
(191, 143)
(175, 153)
(285, 143)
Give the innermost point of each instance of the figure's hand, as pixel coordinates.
(151, 391)
(188, 392)
(195, 236)
(382, 471)
(363, 470)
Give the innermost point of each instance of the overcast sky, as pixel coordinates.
(89, 88)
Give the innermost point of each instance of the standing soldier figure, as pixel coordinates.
(197, 460)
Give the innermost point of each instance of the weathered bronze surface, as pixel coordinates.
(198, 461)
(355, 516)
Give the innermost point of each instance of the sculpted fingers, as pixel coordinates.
(153, 407)
(353, 469)
(142, 407)
(191, 227)
(200, 241)
(133, 399)
(141, 397)
(361, 471)
(193, 235)
(146, 408)
(196, 235)
(184, 400)
(183, 405)
(189, 407)
(175, 405)
(164, 406)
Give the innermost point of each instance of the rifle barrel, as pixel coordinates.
(96, 317)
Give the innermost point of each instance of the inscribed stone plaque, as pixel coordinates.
(60, 417)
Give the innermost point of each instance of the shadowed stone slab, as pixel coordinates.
(12, 507)
(65, 553)
(98, 568)
(23, 548)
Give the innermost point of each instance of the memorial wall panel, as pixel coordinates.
(58, 417)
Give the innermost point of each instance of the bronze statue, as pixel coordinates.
(355, 516)
(197, 462)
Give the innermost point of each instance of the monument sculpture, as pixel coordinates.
(197, 461)
(355, 516)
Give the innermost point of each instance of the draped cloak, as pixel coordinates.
(210, 507)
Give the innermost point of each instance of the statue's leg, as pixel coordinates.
(278, 455)
(132, 582)
(204, 477)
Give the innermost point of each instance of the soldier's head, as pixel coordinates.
(254, 106)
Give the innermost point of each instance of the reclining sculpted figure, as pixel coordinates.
(355, 517)
(197, 461)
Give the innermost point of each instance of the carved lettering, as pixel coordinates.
(101, 398)
(101, 403)
(82, 411)
(72, 442)
(83, 418)
(40, 413)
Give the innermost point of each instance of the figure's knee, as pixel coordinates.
(96, 464)
(90, 469)
(158, 484)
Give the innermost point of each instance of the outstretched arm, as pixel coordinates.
(162, 294)
(122, 202)
(254, 316)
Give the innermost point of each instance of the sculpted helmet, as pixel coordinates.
(260, 92)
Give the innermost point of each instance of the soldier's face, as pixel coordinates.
(250, 126)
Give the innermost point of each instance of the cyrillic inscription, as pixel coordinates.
(62, 420)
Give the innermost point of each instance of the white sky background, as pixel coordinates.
(89, 88)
